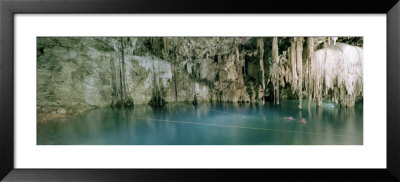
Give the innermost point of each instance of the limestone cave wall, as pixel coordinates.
(75, 74)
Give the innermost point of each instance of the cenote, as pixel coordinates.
(209, 124)
(199, 90)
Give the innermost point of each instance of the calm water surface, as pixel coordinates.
(206, 124)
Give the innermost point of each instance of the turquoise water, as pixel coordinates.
(209, 124)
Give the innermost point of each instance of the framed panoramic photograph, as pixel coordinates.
(205, 91)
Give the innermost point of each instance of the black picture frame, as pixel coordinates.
(9, 8)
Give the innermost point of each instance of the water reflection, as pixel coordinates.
(209, 124)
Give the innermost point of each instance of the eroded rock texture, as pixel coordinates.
(75, 74)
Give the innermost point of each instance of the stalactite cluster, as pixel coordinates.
(118, 70)
(340, 75)
(76, 74)
(333, 72)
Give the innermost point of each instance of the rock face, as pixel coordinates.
(75, 74)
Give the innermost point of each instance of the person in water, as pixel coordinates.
(290, 118)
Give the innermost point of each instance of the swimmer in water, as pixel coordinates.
(303, 121)
(290, 118)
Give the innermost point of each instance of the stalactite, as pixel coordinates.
(299, 64)
(113, 82)
(239, 64)
(334, 39)
(123, 67)
(121, 74)
(275, 71)
(174, 76)
(158, 92)
(309, 57)
(165, 50)
(260, 44)
(116, 65)
(292, 57)
(193, 91)
(178, 58)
